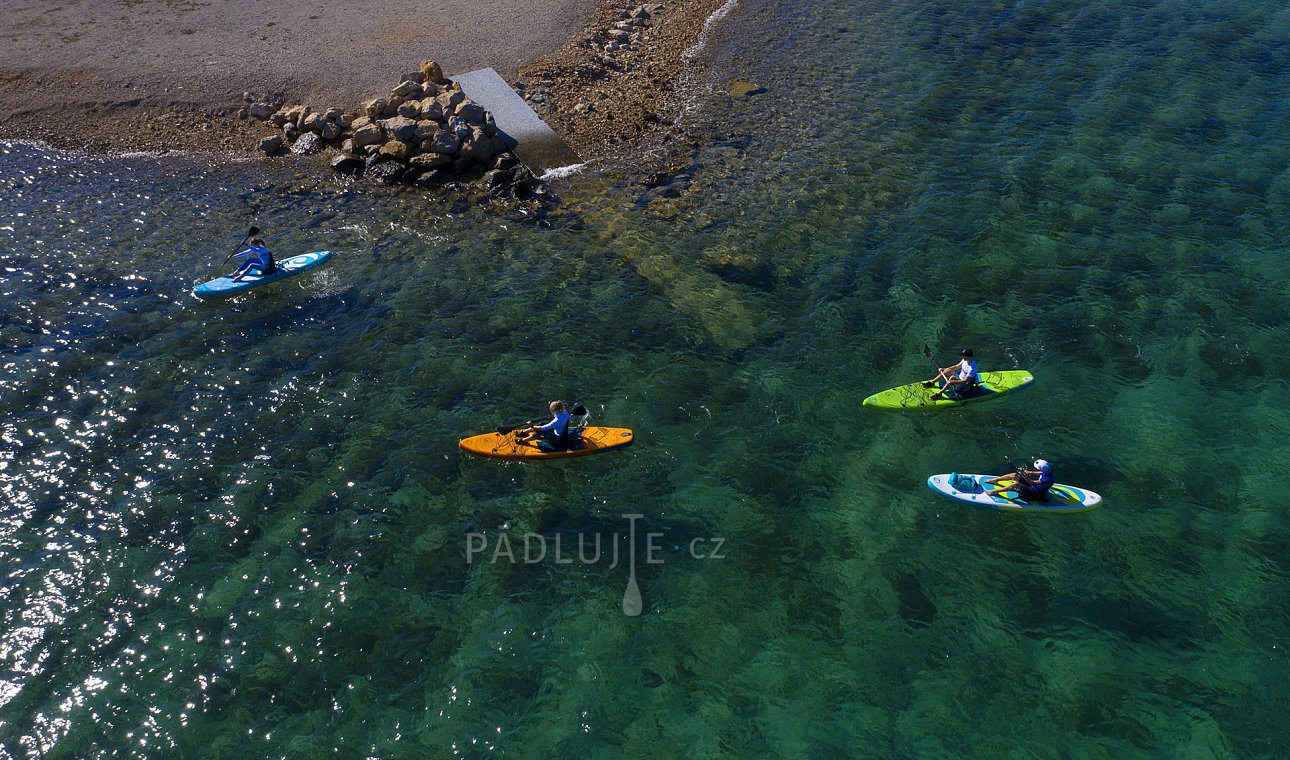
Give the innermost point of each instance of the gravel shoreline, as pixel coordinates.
(174, 78)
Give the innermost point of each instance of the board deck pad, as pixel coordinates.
(916, 397)
(970, 489)
(594, 440)
(224, 287)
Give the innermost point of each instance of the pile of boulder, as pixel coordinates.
(425, 132)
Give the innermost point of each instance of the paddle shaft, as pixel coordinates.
(940, 372)
(249, 234)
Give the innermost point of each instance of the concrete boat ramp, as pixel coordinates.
(532, 141)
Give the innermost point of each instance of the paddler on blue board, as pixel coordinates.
(1030, 485)
(257, 257)
(958, 378)
(555, 431)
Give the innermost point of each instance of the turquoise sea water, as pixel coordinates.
(244, 529)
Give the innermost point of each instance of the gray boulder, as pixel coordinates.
(392, 107)
(427, 161)
(478, 147)
(397, 150)
(473, 113)
(400, 128)
(431, 72)
(450, 99)
(431, 109)
(459, 127)
(312, 123)
(426, 129)
(290, 132)
(410, 110)
(368, 134)
(295, 113)
(373, 108)
(271, 144)
(445, 142)
(330, 131)
(407, 89)
(333, 114)
(261, 111)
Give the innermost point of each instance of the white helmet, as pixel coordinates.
(1042, 465)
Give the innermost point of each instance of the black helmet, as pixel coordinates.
(966, 353)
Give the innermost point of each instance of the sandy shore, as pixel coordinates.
(152, 75)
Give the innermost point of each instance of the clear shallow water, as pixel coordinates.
(245, 528)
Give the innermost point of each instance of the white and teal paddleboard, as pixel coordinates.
(223, 287)
(969, 489)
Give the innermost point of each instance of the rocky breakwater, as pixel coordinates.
(426, 132)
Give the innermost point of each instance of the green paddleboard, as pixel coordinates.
(915, 396)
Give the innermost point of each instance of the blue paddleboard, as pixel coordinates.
(223, 287)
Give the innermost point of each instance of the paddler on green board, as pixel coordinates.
(958, 378)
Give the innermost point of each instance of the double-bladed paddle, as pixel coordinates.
(249, 234)
(577, 411)
(927, 351)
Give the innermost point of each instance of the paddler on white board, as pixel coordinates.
(1030, 485)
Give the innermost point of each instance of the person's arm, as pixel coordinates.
(548, 425)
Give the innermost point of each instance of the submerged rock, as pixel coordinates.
(387, 173)
(348, 163)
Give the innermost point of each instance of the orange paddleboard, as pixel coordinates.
(594, 440)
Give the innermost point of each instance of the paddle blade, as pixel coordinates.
(927, 351)
(253, 231)
(579, 411)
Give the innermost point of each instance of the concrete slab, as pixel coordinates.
(533, 142)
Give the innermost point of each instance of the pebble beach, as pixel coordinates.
(179, 76)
